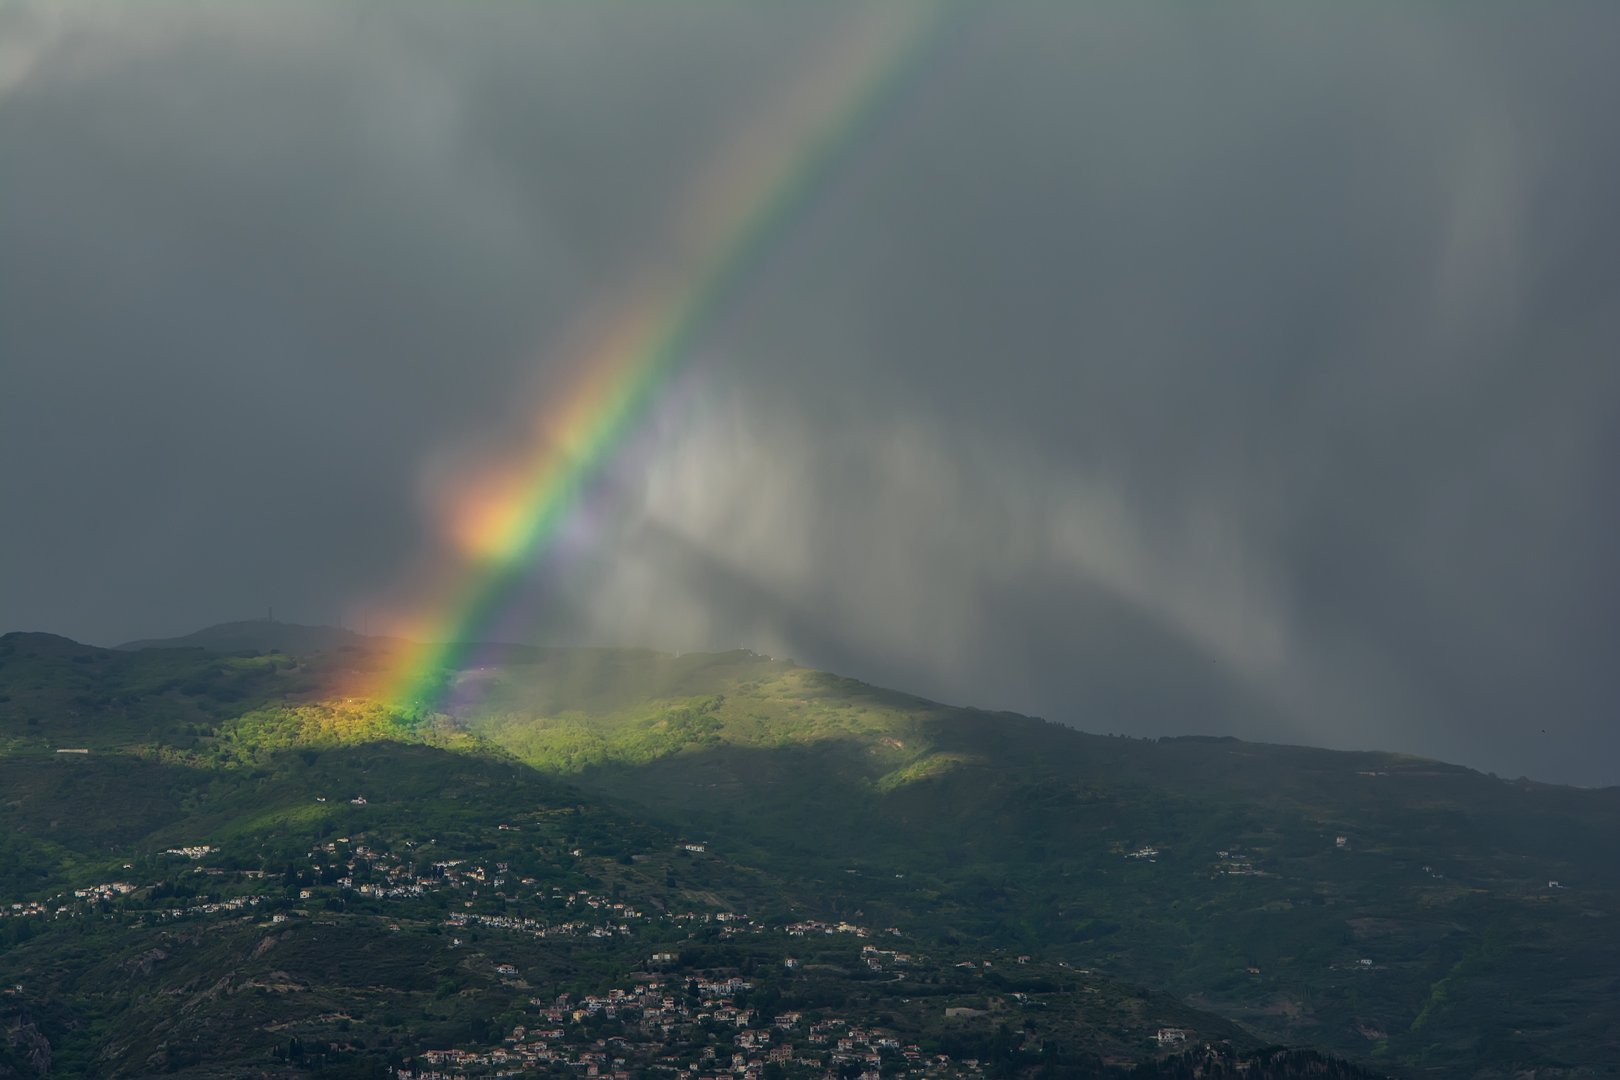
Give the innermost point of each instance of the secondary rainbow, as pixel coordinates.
(738, 212)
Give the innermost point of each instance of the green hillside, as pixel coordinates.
(1395, 908)
(1389, 910)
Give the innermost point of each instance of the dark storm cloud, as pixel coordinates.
(1154, 370)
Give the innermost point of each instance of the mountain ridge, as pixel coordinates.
(269, 636)
(260, 634)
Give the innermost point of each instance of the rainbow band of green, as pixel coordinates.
(765, 216)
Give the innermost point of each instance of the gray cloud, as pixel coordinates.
(1152, 370)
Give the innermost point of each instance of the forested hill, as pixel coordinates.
(1399, 913)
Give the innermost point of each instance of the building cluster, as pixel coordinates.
(882, 959)
(493, 895)
(1235, 863)
(693, 1028)
(105, 891)
(813, 926)
(194, 851)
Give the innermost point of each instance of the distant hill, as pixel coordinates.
(257, 635)
(36, 644)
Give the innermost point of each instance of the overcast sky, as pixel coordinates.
(1156, 369)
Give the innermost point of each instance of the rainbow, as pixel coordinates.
(741, 211)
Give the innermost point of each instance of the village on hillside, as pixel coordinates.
(671, 1009)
